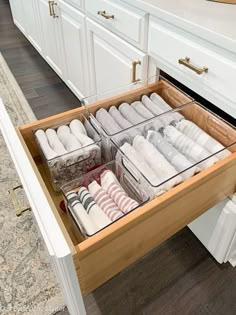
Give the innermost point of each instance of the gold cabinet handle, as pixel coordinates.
(51, 4)
(18, 209)
(106, 15)
(134, 70)
(186, 62)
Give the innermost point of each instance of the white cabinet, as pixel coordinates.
(33, 25)
(17, 9)
(75, 49)
(111, 60)
(52, 36)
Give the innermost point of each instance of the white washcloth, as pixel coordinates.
(107, 122)
(81, 215)
(191, 149)
(178, 160)
(141, 165)
(130, 114)
(93, 210)
(43, 141)
(77, 127)
(54, 142)
(197, 134)
(163, 169)
(68, 139)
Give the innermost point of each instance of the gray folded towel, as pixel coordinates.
(120, 120)
(130, 114)
(142, 110)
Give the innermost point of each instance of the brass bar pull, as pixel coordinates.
(50, 8)
(186, 62)
(134, 70)
(51, 4)
(18, 209)
(106, 15)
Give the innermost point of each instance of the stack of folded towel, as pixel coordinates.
(101, 203)
(68, 150)
(163, 147)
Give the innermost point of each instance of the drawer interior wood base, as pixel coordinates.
(103, 255)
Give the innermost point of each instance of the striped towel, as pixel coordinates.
(104, 201)
(117, 193)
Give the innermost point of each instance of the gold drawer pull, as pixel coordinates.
(18, 209)
(51, 4)
(186, 62)
(134, 68)
(106, 15)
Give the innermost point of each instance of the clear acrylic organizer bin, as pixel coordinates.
(66, 167)
(129, 184)
(214, 126)
(166, 90)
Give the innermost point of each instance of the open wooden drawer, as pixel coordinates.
(100, 257)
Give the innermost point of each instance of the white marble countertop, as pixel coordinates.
(215, 22)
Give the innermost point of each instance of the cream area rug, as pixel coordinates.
(27, 282)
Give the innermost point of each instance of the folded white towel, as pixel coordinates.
(107, 122)
(197, 134)
(55, 142)
(81, 215)
(191, 149)
(163, 169)
(93, 210)
(43, 141)
(142, 166)
(178, 160)
(68, 139)
(121, 121)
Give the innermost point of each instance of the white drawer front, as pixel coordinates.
(128, 22)
(167, 45)
(56, 244)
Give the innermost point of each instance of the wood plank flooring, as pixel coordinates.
(177, 278)
(44, 90)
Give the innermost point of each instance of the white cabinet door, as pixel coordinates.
(56, 244)
(75, 49)
(51, 36)
(17, 9)
(33, 25)
(110, 59)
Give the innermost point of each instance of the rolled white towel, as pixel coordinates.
(55, 142)
(191, 130)
(70, 142)
(142, 110)
(191, 149)
(43, 141)
(77, 127)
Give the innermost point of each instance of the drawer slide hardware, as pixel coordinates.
(106, 15)
(18, 209)
(134, 70)
(51, 4)
(186, 62)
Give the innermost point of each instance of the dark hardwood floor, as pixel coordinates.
(177, 278)
(44, 90)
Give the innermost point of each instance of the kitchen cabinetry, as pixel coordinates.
(51, 36)
(33, 25)
(18, 14)
(112, 61)
(75, 49)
